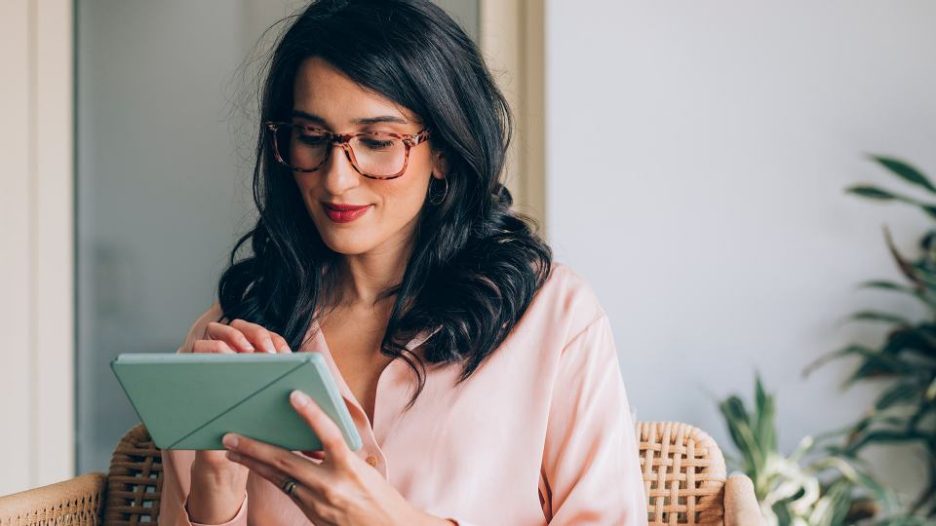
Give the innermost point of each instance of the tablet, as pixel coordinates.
(190, 400)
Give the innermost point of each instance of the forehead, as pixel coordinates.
(323, 90)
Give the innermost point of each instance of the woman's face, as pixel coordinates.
(337, 103)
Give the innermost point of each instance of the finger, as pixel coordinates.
(282, 346)
(275, 476)
(333, 442)
(212, 346)
(234, 337)
(317, 454)
(282, 460)
(257, 334)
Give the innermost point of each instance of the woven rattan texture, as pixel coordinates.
(684, 474)
(134, 482)
(75, 502)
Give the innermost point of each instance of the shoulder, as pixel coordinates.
(570, 293)
(566, 302)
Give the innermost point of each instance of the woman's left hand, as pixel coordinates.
(341, 490)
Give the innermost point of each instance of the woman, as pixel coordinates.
(482, 377)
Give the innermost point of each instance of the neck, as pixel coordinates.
(361, 278)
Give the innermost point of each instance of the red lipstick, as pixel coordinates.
(342, 213)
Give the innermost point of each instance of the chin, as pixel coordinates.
(345, 243)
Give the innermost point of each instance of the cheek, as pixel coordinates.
(402, 198)
(401, 202)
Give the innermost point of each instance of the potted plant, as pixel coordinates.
(905, 412)
(813, 486)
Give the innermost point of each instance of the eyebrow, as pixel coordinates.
(361, 121)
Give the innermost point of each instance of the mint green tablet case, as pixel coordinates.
(189, 401)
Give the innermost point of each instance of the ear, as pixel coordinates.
(439, 165)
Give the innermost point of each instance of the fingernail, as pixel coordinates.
(250, 348)
(269, 347)
(298, 398)
(229, 440)
(284, 349)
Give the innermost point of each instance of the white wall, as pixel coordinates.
(15, 263)
(697, 156)
(36, 263)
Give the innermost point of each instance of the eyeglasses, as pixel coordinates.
(377, 155)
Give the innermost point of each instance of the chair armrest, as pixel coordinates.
(75, 502)
(741, 507)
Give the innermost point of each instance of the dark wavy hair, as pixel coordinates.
(476, 264)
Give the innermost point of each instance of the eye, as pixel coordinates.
(312, 139)
(377, 144)
(378, 141)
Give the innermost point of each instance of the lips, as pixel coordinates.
(342, 213)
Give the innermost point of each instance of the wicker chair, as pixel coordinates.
(683, 471)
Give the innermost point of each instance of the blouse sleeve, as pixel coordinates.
(591, 461)
(176, 484)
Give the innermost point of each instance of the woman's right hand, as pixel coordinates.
(219, 485)
(239, 336)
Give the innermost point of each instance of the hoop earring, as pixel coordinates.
(432, 199)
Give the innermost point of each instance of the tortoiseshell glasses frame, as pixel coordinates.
(344, 141)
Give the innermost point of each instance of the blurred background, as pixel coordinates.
(690, 160)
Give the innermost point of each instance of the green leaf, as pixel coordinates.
(887, 436)
(833, 506)
(929, 209)
(876, 367)
(874, 364)
(921, 294)
(905, 266)
(904, 171)
(874, 422)
(868, 315)
(765, 428)
(871, 192)
(913, 340)
(926, 271)
(924, 408)
(887, 285)
(899, 393)
(739, 427)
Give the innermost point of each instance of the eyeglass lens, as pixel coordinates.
(376, 153)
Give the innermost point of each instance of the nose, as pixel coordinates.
(338, 174)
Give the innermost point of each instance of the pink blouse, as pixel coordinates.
(541, 433)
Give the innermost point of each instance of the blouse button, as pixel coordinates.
(372, 460)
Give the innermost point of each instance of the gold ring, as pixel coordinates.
(289, 487)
